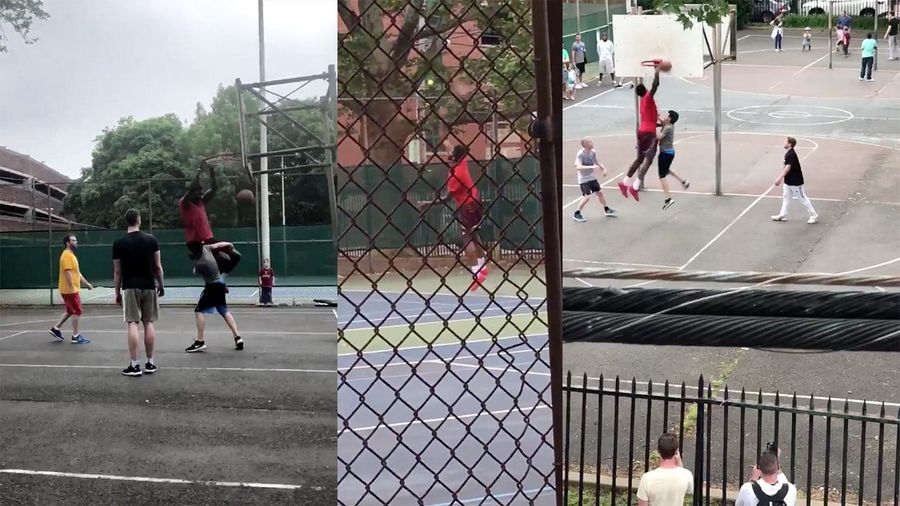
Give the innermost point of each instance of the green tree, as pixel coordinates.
(398, 49)
(20, 14)
(709, 12)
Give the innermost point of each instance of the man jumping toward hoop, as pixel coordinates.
(646, 138)
(469, 212)
(192, 208)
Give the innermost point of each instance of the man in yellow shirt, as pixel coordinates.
(70, 281)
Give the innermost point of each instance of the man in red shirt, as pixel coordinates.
(646, 138)
(469, 211)
(266, 282)
(192, 208)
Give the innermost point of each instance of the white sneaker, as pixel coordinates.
(870, 79)
(813, 219)
(779, 217)
(861, 79)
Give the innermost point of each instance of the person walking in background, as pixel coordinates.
(670, 482)
(70, 282)
(839, 37)
(845, 20)
(846, 41)
(266, 282)
(777, 31)
(586, 164)
(138, 278)
(606, 52)
(579, 56)
(891, 36)
(792, 178)
(867, 49)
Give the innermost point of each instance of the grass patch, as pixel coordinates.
(589, 497)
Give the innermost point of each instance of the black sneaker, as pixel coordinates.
(132, 370)
(668, 204)
(196, 346)
(150, 368)
(238, 343)
(578, 217)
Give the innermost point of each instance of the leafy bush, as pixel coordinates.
(860, 23)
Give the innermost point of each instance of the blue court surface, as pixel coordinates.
(450, 423)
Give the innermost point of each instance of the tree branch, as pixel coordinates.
(350, 18)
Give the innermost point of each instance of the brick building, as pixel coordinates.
(31, 194)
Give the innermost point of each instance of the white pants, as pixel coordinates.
(892, 44)
(795, 192)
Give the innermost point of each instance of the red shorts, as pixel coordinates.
(470, 215)
(73, 303)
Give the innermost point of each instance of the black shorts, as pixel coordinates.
(664, 162)
(590, 187)
(580, 67)
(470, 215)
(212, 299)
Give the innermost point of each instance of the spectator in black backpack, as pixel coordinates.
(768, 486)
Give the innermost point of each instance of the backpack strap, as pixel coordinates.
(781, 494)
(765, 499)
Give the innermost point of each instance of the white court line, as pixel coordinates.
(605, 183)
(576, 104)
(227, 369)
(424, 346)
(882, 264)
(437, 322)
(17, 334)
(481, 500)
(382, 292)
(584, 282)
(145, 479)
(742, 38)
(179, 332)
(416, 363)
(56, 320)
(739, 216)
(674, 389)
(626, 264)
(448, 417)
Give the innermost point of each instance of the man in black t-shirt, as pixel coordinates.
(891, 35)
(138, 281)
(792, 177)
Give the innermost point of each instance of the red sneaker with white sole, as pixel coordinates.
(634, 193)
(479, 278)
(624, 189)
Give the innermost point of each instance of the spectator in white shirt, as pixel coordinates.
(670, 482)
(768, 486)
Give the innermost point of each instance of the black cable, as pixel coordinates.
(733, 331)
(772, 303)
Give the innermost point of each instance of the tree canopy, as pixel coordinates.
(148, 163)
(401, 49)
(20, 14)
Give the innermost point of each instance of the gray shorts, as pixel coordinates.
(607, 67)
(140, 305)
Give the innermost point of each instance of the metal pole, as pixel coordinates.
(875, 34)
(263, 147)
(637, 108)
(606, 6)
(545, 131)
(830, 34)
(49, 242)
(577, 16)
(150, 204)
(717, 102)
(329, 115)
(283, 221)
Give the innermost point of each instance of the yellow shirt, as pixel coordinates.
(67, 261)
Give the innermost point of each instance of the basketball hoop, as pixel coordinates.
(651, 63)
(227, 160)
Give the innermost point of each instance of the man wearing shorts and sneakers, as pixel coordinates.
(70, 281)
(138, 274)
(213, 296)
(606, 51)
(585, 164)
(469, 212)
(792, 177)
(666, 138)
(646, 139)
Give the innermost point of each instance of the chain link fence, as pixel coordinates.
(444, 374)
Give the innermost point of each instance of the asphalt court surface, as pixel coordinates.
(848, 142)
(445, 402)
(223, 426)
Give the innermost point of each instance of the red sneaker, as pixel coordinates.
(624, 189)
(479, 278)
(634, 193)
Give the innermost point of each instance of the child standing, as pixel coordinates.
(807, 40)
(266, 282)
(571, 79)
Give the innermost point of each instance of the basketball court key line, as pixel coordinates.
(145, 479)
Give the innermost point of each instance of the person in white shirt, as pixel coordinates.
(585, 165)
(670, 482)
(768, 486)
(606, 52)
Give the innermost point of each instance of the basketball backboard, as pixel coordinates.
(640, 37)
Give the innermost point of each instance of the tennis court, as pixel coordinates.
(223, 426)
(456, 380)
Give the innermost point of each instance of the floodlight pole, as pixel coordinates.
(875, 34)
(717, 102)
(263, 195)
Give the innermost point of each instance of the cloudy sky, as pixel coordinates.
(99, 60)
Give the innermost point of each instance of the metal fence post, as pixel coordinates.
(699, 447)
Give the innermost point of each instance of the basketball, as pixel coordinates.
(665, 65)
(245, 197)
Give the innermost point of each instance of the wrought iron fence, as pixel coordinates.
(836, 451)
(443, 394)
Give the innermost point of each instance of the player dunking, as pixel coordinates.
(469, 211)
(646, 138)
(192, 208)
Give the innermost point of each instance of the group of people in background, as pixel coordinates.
(139, 278)
(575, 63)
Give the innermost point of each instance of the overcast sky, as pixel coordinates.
(99, 60)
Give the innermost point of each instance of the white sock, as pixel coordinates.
(481, 262)
(150, 361)
(636, 184)
(626, 181)
(135, 363)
